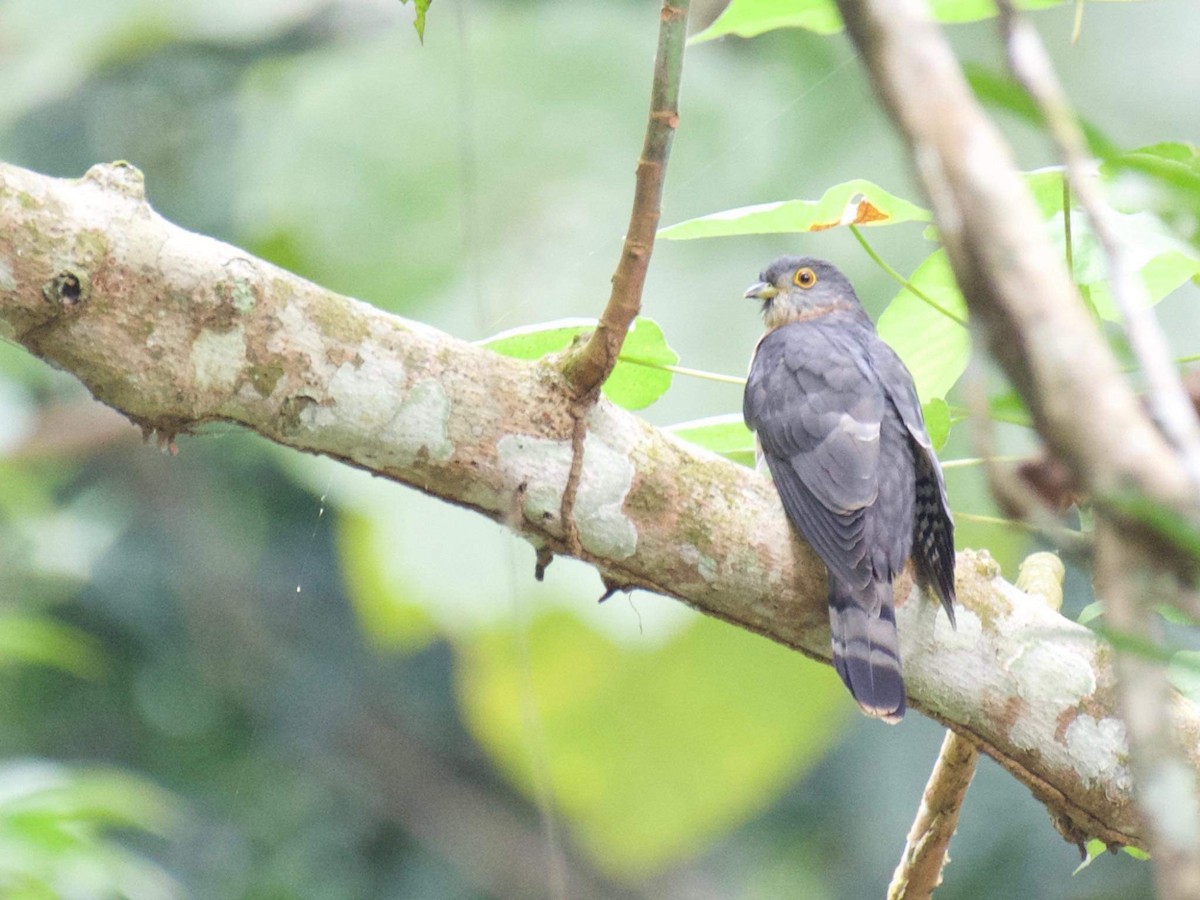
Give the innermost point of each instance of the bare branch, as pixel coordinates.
(920, 869)
(591, 366)
(1166, 786)
(175, 330)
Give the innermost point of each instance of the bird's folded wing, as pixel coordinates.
(817, 407)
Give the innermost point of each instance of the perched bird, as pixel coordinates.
(840, 428)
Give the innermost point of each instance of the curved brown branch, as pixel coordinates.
(175, 330)
(588, 368)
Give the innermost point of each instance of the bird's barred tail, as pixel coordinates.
(933, 537)
(866, 648)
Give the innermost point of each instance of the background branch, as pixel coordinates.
(1169, 799)
(1052, 350)
(1173, 410)
(175, 330)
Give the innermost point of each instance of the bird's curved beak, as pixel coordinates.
(761, 291)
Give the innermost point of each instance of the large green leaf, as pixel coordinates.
(651, 753)
(1175, 162)
(535, 341)
(1165, 179)
(639, 377)
(1162, 259)
(747, 18)
(933, 346)
(857, 202)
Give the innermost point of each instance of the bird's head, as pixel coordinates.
(794, 288)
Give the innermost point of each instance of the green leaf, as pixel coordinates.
(43, 641)
(1093, 849)
(747, 18)
(934, 347)
(1009, 407)
(1175, 162)
(953, 11)
(726, 435)
(1004, 93)
(857, 202)
(535, 341)
(422, 7)
(1046, 188)
(629, 733)
(1163, 261)
(1096, 848)
(937, 421)
(640, 376)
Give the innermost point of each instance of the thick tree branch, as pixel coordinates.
(587, 370)
(1054, 353)
(1166, 793)
(176, 330)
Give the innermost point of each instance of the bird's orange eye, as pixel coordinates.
(805, 277)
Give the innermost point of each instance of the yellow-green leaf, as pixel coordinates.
(652, 753)
(937, 421)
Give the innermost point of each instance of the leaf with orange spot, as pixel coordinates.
(855, 202)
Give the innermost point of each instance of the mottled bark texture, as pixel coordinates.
(175, 330)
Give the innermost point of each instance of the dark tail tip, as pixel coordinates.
(866, 651)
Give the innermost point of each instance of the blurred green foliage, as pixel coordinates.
(356, 691)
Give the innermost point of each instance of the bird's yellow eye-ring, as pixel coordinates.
(805, 277)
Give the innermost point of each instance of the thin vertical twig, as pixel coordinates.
(588, 368)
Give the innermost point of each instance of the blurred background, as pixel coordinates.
(246, 673)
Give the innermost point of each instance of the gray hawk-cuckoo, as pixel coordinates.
(840, 429)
